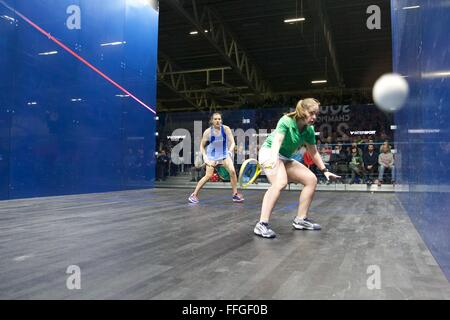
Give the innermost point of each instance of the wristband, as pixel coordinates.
(324, 170)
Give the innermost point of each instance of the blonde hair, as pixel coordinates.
(301, 108)
(386, 146)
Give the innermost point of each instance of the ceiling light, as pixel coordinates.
(113, 43)
(47, 53)
(424, 130)
(318, 81)
(193, 32)
(8, 18)
(412, 7)
(294, 20)
(437, 74)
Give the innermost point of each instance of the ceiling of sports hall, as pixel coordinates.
(218, 54)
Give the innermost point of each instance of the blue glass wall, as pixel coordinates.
(77, 84)
(7, 27)
(421, 51)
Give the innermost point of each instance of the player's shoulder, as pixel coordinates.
(286, 119)
(207, 131)
(227, 129)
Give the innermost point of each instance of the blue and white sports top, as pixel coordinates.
(217, 147)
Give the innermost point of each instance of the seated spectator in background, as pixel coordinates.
(298, 155)
(328, 149)
(366, 146)
(354, 145)
(162, 165)
(301, 152)
(356, 165)
(383, 136)
(385, 161)
(385, 143)
(325, 154)
(339, 161)
(307, 160)
(319, 144)
(370, 160)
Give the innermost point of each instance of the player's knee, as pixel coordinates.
(311, 180)
(280, 185)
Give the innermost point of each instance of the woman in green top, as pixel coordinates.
(293, 130)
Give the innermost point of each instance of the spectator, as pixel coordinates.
(162, 165)
(370, 160)
(325, 155)
(356, 165)
(299, 154)
(307, 160)
(365, 147)
(339, 161)
(385, 161)
(359, 150)
(385, 143)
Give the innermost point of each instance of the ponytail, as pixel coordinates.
(302, 107)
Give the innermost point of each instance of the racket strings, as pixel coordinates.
(249, 172)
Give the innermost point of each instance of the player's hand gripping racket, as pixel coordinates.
(250, 170)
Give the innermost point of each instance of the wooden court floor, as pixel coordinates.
(152, 244)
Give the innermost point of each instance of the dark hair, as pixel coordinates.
(212, 116)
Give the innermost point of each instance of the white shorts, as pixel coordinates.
(264, 156)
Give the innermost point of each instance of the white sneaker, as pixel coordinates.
(262, 229)
(305, 224)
